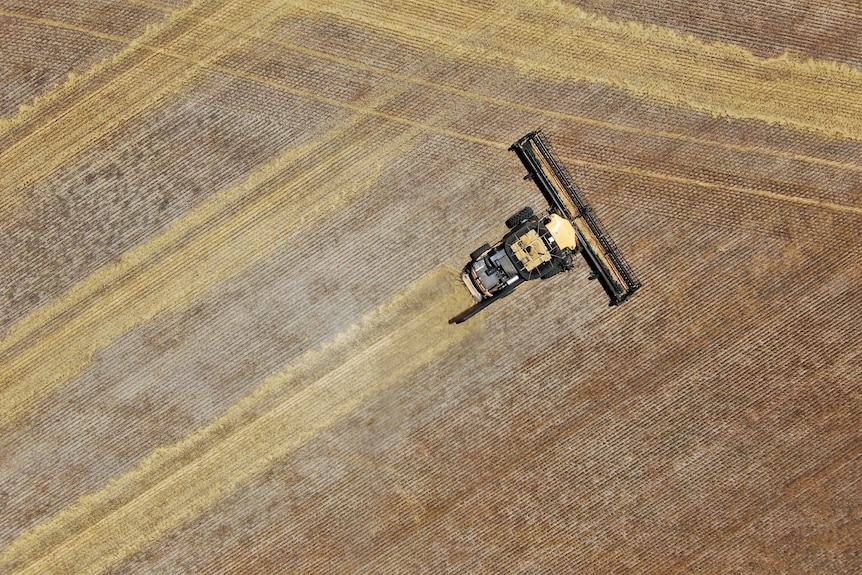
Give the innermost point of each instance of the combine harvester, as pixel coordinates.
(541, 246)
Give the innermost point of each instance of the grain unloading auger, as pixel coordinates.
(541, 246)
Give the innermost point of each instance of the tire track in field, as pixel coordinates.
(27, 367)
(366, 110)
(52, 346)
(643, 173)
(561, 42)
(597, 165)
(35, 323)
(439, 130)
(584, 120)
(131, 93)
(603, 166)
(174, 485)
(4, 13)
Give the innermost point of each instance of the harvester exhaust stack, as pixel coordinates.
(541, 246)
(601, 254)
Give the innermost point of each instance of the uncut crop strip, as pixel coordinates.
(217, 241)
(174, 485)
(476, 96)
(127, 95)
(551, 40)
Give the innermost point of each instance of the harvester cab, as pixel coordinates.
(540, 246)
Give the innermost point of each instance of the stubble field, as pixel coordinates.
(230, 236)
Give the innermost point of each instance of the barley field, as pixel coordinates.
(231, 233)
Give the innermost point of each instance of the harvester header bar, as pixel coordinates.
(601, 254)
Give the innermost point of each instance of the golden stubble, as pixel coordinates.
(263, 34)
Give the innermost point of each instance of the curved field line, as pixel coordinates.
(36, 321)
(117, 298)
(27, 377)
(479, 97)
(675, 136)
(569, 44)
(174, 485)
(53, 345)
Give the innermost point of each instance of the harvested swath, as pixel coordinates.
(48, 51)
(372, 34)
(718, 79)
(52, 102)
(823, 31)
(175, 484)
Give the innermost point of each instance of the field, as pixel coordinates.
(231, 233)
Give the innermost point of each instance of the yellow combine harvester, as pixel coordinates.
(541, 246)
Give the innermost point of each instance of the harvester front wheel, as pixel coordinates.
(476, 254)
(523, 214)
